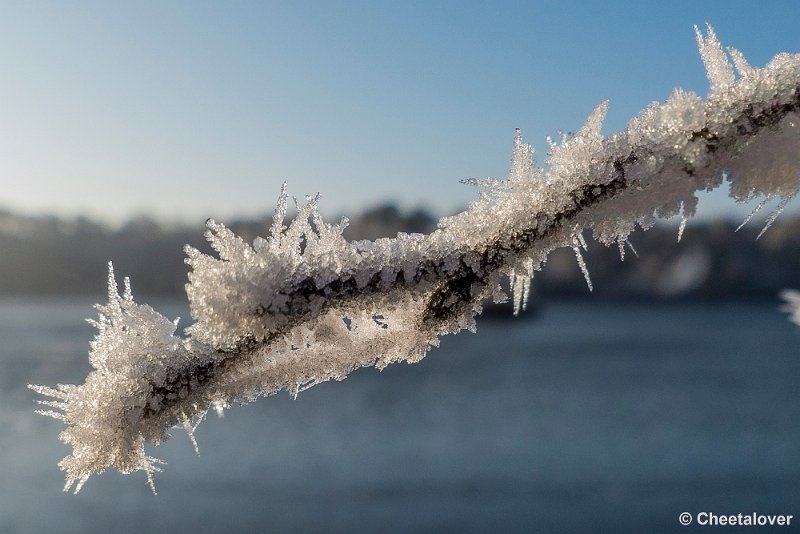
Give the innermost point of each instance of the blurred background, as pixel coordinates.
(669, 388)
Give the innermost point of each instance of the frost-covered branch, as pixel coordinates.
(305, 305)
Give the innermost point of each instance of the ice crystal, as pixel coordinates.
(304, 305)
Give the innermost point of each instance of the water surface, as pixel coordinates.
(585, 417)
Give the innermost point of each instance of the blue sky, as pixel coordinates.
(189, 110)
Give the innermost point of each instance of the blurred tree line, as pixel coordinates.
(53, 256)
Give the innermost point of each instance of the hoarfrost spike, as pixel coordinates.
(594, 123)
(718, 69)
(582, 265)
(752, 213)
(276, 231)
(742, 66)
(774, 215)
(682, 226)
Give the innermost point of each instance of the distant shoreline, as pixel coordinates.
(47, 257)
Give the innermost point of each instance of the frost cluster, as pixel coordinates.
(304, 305)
